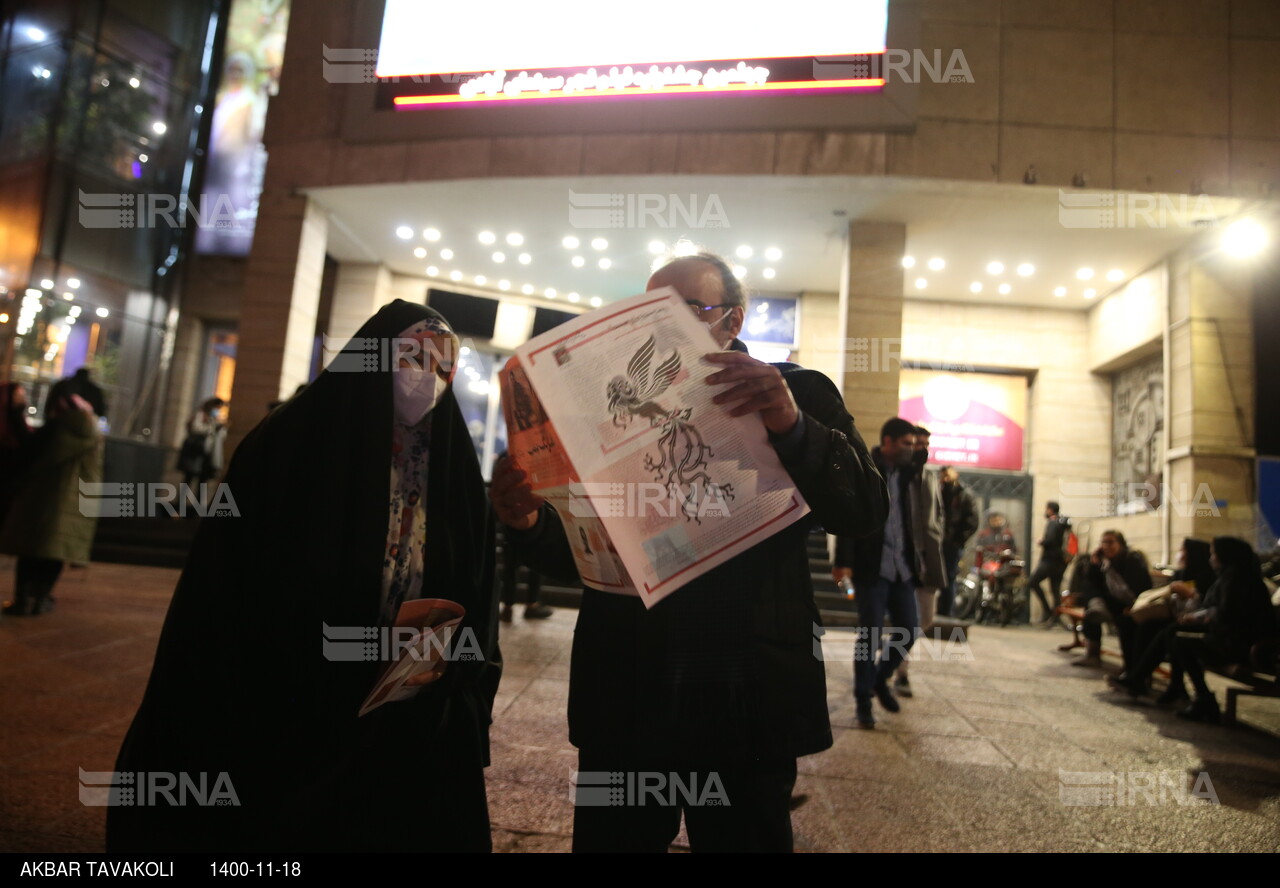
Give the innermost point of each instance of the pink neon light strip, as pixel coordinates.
(558, 95)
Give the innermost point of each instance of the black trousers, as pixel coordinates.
(635, 807)
(1193, 652)
(1154, 643)
(510, 571)
(35, 577)
(1125, 627)
(1051, 571)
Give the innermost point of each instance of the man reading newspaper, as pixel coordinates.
(715, 690)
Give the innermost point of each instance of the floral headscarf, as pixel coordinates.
(407, 520)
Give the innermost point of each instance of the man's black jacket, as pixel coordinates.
(726, 669)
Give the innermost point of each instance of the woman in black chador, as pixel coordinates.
(359, 494)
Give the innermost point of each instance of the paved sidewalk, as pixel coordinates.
(972, 763)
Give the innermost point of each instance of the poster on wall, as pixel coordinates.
(976, 420)
(1137, 436)
(252, 59)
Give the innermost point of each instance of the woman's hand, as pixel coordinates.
(1182, 590)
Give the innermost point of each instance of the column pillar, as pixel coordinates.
(360, 289)
(871, 303)
(1210, 464)
(279, 306)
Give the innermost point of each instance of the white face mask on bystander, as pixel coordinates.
(416, 393)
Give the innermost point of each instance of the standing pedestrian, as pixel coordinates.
(45, 526)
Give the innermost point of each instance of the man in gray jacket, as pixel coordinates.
(927, 531)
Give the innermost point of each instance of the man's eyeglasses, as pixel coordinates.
(700, 309)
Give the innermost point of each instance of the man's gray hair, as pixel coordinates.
(735, 296)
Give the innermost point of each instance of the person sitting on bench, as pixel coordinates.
(1116, 576)
(1236, 614)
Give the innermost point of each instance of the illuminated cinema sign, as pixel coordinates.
(504, 51)
(975, 420)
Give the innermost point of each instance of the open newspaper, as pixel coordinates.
(611, 418)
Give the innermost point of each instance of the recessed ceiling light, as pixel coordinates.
(525, 258)
(47, 284)
(102, 312)
(739, 271)
(1004, 289)
(446, 254)
(527, 289)
(550, 292)
(921, 283)
(570, 242)
(68, 296)
(657, 247)
(455, 275)
(159, 127)
(432, 271)
(685, 248)
(1026, 269)
(504, 285)
(1090, 293)
(431, 234)
(420, 252)
(404, 232)
(1084, 274)
(745, 252)
(577, 261)
(769, 273)
(515, 239)
(573, 297)
(975, 287)
(481, 280)
(1114, 275)
(605, 263)
(135, 82)
(937, 264)
(995, 268)
(773, 254)
(73, 283)
(499, 256)
(487, 237)
(1059, 292)
(908, 261)
(599, 243)
(596, 302)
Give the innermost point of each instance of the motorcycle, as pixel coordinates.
(1002, 595)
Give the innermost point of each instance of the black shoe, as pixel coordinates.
(886, 698)
(1176, 693)
(798, 799)
(43, 605)
(1204, 709)
(902, 686)
(866, 719)
(505, 614)
(19, 607)
(537, 612)
(1122, 682)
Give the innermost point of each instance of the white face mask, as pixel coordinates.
(416, 393)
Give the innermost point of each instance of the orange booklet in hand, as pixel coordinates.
(427, 626)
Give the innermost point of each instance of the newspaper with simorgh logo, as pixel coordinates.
(611, 417)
